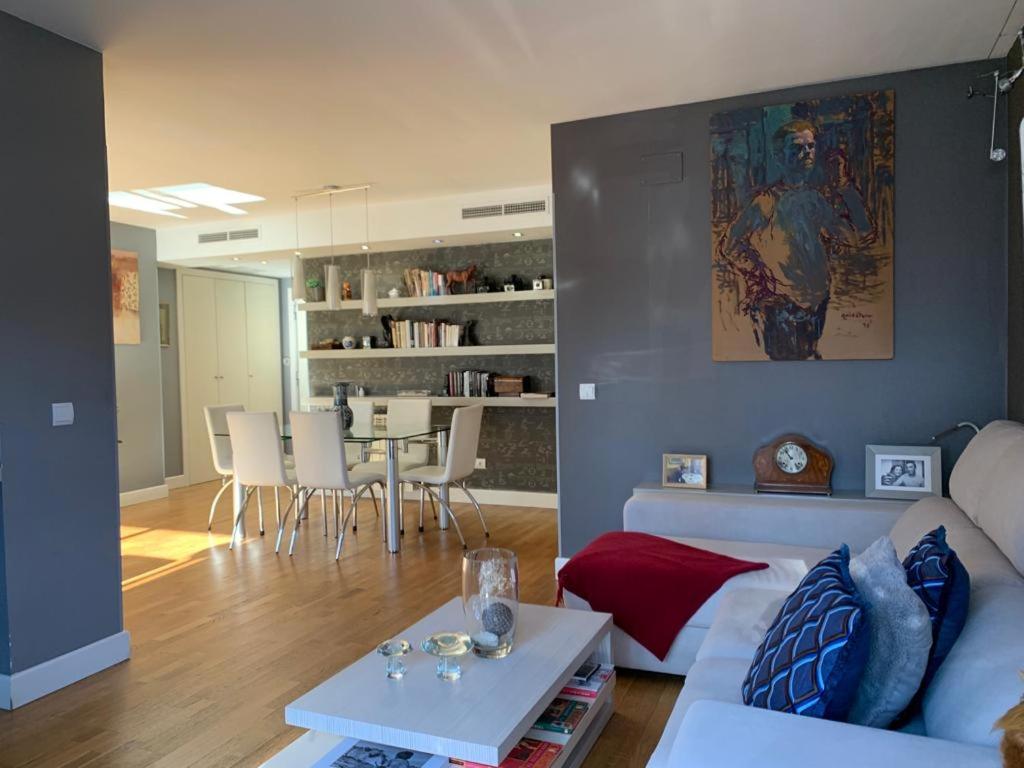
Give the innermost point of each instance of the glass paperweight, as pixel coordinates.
(448, 647)
(393, 651)
(490, 599)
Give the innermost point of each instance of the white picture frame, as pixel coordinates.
(902, 471)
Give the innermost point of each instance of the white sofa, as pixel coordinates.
(979, 680)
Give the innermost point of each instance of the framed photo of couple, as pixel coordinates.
(902, 471)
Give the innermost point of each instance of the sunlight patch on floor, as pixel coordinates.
(169, 550)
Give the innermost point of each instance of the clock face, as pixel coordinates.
(791, 458)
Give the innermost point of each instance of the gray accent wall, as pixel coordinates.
(137, 371)
(1015, 245)
(170, 381)
(634, 303)
(62, 565)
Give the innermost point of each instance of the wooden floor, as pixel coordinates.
(222, 640)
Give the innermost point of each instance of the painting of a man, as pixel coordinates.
(802, 223)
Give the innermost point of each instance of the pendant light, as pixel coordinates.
(298, 270)
(369, 277)
(332, 273)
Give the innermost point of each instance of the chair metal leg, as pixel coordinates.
(451, 515)
(295, 531)
(479, 512)
(423, 495)
(238, 518)
(225, 483)
(355, 514)
(334, 510)
(284, 517)
(259, 505)
(277, 505)
(373, 497)
(344, 523)
(323, 502)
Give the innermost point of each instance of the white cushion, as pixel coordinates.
(431, 474)
(900, 632)
(980, 678)
(717, 679)
(382, 466)
(357, 477)
(743, 618)
(985, 564)
(988, 484)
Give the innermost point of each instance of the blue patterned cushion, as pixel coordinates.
(938, 577)
(812, 657)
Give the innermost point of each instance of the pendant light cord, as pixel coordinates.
(366, 223)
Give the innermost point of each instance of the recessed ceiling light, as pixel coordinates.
(438, 241)
(365, 247)
(263, 262)
(140, 203)
(517, 234)
(234, 258)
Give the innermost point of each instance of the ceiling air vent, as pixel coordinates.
(253, 233)
(481, 211)
(533, 206)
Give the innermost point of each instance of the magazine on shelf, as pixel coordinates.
(562, 716)
(354, 753)
(592, 687)
(528, 753)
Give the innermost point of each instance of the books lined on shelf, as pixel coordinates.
(425, 282)
(592, 685)
(528, 753)
(413, 334)
(469, 384)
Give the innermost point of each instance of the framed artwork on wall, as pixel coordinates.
(902, 471)
(802, 230)
(124, 284)
(684, 470)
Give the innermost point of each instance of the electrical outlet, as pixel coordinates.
(480, 464)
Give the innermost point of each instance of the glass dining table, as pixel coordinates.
(395, 438)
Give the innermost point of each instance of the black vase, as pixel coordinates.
(341, 404)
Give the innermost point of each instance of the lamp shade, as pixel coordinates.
(298, 279)
(332, 285)
(369, 293)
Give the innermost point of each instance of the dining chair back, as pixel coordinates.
(257, 450)
(319, 449)
(217, 430)
(412, 413)
(463, 443)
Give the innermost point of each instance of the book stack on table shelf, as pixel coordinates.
(543, 744)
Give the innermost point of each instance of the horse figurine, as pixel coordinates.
(463, 276)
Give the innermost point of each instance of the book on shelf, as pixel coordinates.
(469, 384)
(416, 334)
(592, 686)
(425, 282)
(528, 753)
(562, 716)
(354, 753)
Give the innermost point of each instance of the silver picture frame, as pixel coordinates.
(902, 471)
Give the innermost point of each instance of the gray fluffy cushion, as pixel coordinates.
(901, 636)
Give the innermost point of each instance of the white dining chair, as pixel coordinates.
(404, 413)
(220, 448)
(320, 463)
(259, 462)
(356, 453)
(461, 461)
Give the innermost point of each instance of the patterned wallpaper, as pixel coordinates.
(518, 443)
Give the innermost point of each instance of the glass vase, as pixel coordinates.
(490, 599)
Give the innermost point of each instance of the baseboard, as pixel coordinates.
(35, 682)
(499, 497)
(144, 494)
(177, 481)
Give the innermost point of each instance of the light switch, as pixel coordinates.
(63, 414)
(588, 392)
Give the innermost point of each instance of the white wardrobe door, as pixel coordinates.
(199, 312)
(263, 333)
(233, 367)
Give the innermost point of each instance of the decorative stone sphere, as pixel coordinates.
(497, 618)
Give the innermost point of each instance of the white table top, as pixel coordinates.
(479, 717)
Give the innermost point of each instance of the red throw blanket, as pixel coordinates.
(650, 585)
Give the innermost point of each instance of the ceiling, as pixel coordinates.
(426, 98)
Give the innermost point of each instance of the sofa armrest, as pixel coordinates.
(808, 521)
(716, 733)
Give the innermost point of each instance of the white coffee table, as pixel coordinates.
(479, 717)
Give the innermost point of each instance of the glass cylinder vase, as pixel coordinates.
(490, 598)
(341, 404)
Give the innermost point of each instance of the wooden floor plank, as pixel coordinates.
(222, 640)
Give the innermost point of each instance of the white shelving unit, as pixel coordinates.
(478, 351)
(436, 301)
(488, 402)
